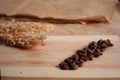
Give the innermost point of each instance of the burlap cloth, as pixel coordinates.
(69, 9)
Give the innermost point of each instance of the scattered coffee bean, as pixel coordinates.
(96, 54)
(90, 57)
(81, 53)
(104, 45)
(79, 63)
(64, 66)
(109, 43)
(85, 58)
(75, 57)
(94, 49)
(102, 49)
(68, 60)
(73, 66)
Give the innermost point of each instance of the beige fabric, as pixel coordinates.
(66, 9)
(69, 9)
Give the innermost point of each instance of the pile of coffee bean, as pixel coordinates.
(94, 49)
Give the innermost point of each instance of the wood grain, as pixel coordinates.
(42, 61)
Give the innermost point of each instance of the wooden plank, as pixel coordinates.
(42, 61)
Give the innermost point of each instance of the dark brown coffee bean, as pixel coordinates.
(69, 60)
(98, 50)
(99, 41)
(81, 53)
(91, 47)
(79, 63)
(81, 60)
(104, 45)
(90, 57)
(73, 66)
(102, 49)
(63, 63)
(111, 45)
(96, 54)
(89, 54)
(85, 58)
(89, 51)
(85, 48)
(94, 43)
(108, 40)
(108, 44)
(64, 66)
(75, 57)
(101, 53)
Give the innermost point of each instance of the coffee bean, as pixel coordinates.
(111, 45)
(89, 51)
(75, 57)
(96, 54)
(79, 63)
(118, 0)
(73, 66)
(101, 53)
(94, 43)
(91, 47)
(81, 60)
(85, 48)
(90, 57)
(99, 41)
(69, 60)
(94, 49)
(81, 53)
(85, 58)
(64, 66)
(98, 50)
(104, 45)
(102, 49)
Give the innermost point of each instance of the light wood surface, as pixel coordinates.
(42, 61)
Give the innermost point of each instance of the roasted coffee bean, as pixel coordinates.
(94, 43)
(79, 63)
(91, 46)
(64, 66)
(73, 66)
(96, 54)
(94, 49)
(99, 41)
(104, 45)
(98, 46)
(89, 51)
(102, 49)
(81, 60)
(81, 53)
(89, 54)
(90, 57)
(85, 58)
(101, 53)
(75, 57)
(108, 41)
(111, 45)
(98, 50)
(69, 60)
(85, 48)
